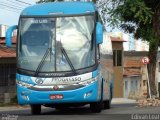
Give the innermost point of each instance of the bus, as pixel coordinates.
(63, 58)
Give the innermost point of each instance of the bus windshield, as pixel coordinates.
(43, 42)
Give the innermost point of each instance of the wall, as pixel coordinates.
(132, 87)
(118, 73)
(135, 55)
(118, 82)
(7, 79)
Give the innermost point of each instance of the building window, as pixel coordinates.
(144, 82)
(126, 85)
(117, 57)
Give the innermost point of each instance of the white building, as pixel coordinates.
(3, 29)
(141, 45)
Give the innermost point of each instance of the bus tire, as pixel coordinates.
(107, 104)
(96, 107)
(35, 109)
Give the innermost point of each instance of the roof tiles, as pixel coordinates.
(7, 52)
(132, 67)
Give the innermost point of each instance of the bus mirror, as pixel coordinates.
(99, 33)
(9, 35)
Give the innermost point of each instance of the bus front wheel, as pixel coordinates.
(35, 109)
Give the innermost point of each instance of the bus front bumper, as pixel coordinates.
(90, 93)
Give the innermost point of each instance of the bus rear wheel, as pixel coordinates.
(96, 107)
(35, 109)
(107, 104)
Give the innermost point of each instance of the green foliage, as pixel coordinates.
(133, 16)
(144, 32)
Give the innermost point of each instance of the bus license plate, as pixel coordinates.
(56, 96)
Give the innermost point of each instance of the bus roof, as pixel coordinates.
(66, 8)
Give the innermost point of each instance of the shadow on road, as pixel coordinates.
(85, 110)
(69, 111)
(80, 113)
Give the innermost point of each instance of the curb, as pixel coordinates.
(122, 101)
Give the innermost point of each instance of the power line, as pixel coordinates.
(11, 5)
(4, 8)
(23, 2)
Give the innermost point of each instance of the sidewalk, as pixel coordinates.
(122, 101)
(13, 108)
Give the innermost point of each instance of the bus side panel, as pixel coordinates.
(106, 61)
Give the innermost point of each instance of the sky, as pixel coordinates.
(11, 9)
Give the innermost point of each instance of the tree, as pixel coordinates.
(140, 17)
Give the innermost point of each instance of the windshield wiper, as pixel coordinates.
(93, 38)
(46, 55)
(68, 59)
(42, 61)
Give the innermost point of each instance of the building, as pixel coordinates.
(3, 29)
(117, 45)
(134, 75)
(141, 45)
(7, 69)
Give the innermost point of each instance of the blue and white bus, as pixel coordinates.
(63, 58)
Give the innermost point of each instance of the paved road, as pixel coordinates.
(117, 112)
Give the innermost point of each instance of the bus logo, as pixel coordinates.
(39, 81)
(55, 87)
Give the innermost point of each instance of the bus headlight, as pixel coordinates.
(24, 84)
